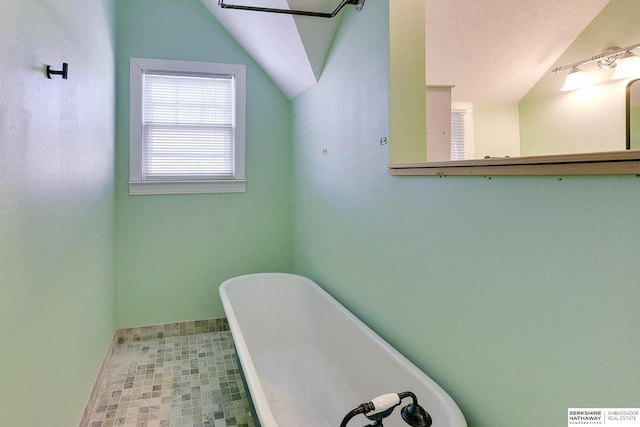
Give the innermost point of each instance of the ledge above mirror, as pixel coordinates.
(603, 163)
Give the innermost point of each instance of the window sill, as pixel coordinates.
(605, 163)
(186, 187)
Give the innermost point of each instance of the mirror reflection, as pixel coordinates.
(495, 60)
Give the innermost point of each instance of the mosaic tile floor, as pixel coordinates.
(174, 382)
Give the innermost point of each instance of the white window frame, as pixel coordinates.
(137, 184)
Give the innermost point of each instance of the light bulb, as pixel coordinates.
(576, 79)
(627, 66)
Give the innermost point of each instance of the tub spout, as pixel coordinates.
(382, 406)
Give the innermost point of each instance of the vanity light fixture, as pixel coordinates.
(628, 66)
(623, 60)
(576, 79)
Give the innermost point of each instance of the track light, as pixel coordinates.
(623, 60)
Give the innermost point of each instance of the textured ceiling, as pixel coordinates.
(496, 50)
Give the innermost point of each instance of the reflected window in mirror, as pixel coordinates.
(462, 147)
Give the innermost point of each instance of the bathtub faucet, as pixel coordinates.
(382, 406)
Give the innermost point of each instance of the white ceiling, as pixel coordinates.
(490, 50)
(291, 49)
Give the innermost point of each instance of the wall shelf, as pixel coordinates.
(604, 163)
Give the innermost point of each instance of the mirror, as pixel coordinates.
(633, 115)
(544, 120)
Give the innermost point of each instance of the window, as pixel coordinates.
(461, 131)
(457, 135)
(187, 127)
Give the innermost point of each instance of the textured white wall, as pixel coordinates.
(57, 291)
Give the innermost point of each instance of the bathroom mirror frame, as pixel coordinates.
(602, 163)
(597, 163)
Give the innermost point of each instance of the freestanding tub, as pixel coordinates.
(308, 361)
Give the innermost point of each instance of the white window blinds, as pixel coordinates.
(457, 135)
(188, 127)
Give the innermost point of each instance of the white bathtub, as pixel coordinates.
(308, 361)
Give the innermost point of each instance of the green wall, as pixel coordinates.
(519, 295)
(174, 250)
(496, 130)
(57, 214)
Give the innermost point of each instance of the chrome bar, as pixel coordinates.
(357, 3)
(605, 54)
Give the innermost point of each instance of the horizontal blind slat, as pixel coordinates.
(458, 149)
(188, 126)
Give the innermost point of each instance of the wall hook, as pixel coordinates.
(63, 73)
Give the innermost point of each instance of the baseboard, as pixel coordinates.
(98, 383)
(167, 330)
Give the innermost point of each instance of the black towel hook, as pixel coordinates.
(63, 73)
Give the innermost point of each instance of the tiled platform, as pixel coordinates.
(175, 381)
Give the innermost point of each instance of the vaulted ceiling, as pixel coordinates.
(291, 49)
(490, 50)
